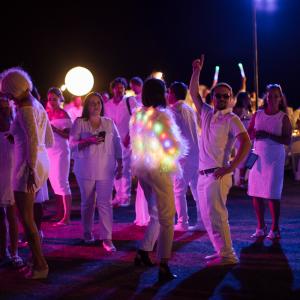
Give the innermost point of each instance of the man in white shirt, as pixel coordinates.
(74, 109)
(119, 108)
(136, 84)
(186, 120)
(220, 128)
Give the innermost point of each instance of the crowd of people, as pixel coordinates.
(168, 138)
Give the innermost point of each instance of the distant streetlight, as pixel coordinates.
(259, 5)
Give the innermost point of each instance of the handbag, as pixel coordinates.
(251, 159)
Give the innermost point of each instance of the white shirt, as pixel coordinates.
(219, 131)
(186, 121)
(119, 113)
(95, 162)
(74, 112)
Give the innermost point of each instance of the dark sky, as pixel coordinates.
(118, 38)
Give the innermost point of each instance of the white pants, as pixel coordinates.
(123, 185)
(101, 191)
(213, 196)
(158, 190)
(189, 178)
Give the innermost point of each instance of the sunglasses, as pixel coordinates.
(220, 96)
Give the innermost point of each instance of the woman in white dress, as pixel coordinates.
(7, 201)
(32, 134)
(271, 130)
(97, 153)
(59, 154)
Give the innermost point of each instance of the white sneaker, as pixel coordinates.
(88, 239)
(273, 235)
(259, 233)
(222, 261)
(197, 227)
(109, 246)
(181, 227)
(212, 256)
(124, 202)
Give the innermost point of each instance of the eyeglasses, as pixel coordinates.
(220, 96)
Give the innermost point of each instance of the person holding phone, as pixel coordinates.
(271, 129)
(97, 153)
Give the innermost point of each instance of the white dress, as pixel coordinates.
(6, 171)
(59, 157)
(266, 176)
(32, 134)
(42, 194)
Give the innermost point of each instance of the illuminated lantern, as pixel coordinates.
(79, 81)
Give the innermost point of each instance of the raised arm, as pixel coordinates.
(194, 83)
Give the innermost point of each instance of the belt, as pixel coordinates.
(208, 171)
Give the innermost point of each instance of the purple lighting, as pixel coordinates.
(266, 5)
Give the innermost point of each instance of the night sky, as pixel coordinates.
(129, 38)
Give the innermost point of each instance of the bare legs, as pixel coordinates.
(259, 207)
(3, 234)
(67, 201)
(11, 216)
(64, 209)
(274, 206)
(38, 214)
(24, 203)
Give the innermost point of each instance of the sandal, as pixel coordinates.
(259, 232)
(274, 235)
(17, 261)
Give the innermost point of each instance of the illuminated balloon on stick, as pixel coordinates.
(158, 75)
(242, 70)
(216, 76)
(79, 81)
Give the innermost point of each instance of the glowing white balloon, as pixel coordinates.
(63, 87)
(129, 93)
(158, 75)
(79, 81)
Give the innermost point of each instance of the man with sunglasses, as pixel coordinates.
(220, 129)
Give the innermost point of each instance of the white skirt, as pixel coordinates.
(266, 175)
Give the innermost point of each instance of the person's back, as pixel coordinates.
(186, 121)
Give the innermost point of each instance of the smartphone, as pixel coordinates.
(251, 159)
(101, 134)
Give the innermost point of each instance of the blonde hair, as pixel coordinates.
(15, 81)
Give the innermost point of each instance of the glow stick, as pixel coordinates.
(242, 70)
(216, 76)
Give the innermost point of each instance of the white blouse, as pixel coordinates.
(95, 162)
